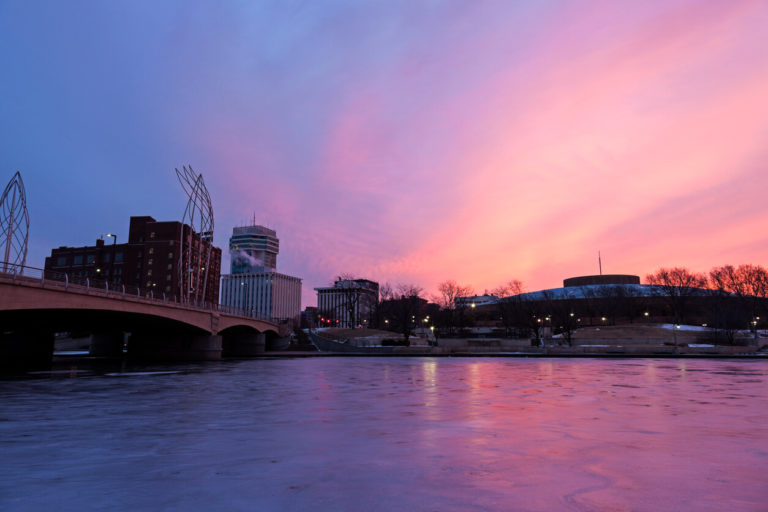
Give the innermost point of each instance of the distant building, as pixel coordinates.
(348, 303)
(149, 261)
(309, 317)
(253, 284)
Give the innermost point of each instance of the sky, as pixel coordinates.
(406, 141)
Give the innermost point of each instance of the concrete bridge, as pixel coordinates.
(34, 308)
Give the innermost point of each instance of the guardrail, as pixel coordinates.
(97, 286)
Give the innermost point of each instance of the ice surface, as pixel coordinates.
(380, 434)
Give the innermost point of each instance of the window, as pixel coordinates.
(170, 243)
(140, 255)
(170, 266)
(149, 283)
(151, 250)
(138, 275)
(149, 272)
(78, 260)
(61, 261)
(170, 255)
(152, 235)
(107, 257)
(168, 277)
(168, 288)
(90, 259)
(119, 257)
(149, 261)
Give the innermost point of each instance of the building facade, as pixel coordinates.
(253, 284)
(268, 295)
(348, 303)
(253, 249)
(149, 261)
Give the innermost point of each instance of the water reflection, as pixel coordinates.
(389, 434)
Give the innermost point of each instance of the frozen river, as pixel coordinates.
(374, 434)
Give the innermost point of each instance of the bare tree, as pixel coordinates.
(407, 309)
(725, 311)
(450, 301)
(677, 285)
(386, 294)
(561, 314)
(749, 283)
(507, 306)
(530, 315)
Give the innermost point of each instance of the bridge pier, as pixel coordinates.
(26, 350)
(243, 343)
(165, 346)
(278, 343)
(107, 344)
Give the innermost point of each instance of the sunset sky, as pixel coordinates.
(404, 141)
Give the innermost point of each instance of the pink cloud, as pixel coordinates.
(482, 154)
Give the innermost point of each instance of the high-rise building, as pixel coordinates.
(253, 249)
(349, 302)
(150, 260)
(253, 285)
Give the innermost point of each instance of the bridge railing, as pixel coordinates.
(112, 288)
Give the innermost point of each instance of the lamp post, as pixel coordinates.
(754, 325)
(245, 297)
(114, 251)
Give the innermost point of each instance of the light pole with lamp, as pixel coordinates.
(114, 252)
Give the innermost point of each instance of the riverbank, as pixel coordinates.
(554, 352)
(614, 341)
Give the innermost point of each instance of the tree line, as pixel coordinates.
(728, 299)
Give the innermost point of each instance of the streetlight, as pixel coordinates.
(246, 301)
(647, 316)
(114, 252)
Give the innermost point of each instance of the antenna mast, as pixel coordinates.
(600, 262)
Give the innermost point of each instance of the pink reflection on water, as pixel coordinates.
(383, 434)
(599, 435)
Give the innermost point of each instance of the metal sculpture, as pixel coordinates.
(196, 239)
(14, 223)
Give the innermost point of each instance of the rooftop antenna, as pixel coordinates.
(600, 262)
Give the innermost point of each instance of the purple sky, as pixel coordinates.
(411, 141)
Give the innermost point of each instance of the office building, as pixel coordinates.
(151, 260)
(253, 284)
(348, 303)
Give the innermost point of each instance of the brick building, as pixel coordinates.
(150, 260)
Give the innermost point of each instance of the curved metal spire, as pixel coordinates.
(14, 225)
(195, 258)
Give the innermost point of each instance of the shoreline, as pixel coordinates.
(576, 355)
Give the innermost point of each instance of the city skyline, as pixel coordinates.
(404, 142)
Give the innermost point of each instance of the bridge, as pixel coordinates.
(36, 304)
